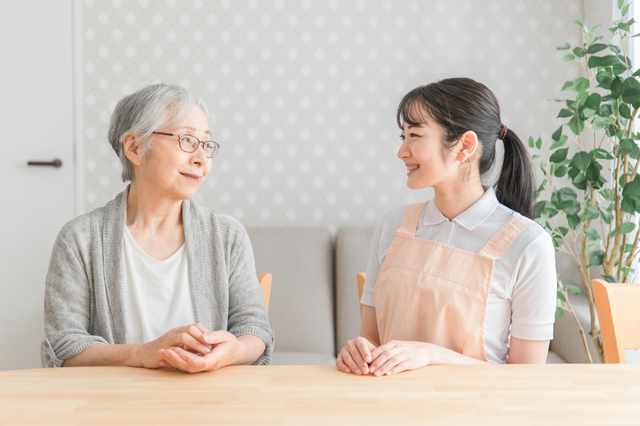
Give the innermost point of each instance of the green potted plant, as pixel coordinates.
(590, 193)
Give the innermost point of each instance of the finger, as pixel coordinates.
(398, 369)
(174, 361)
(195, 331)
(382, 359)
(364, 346)
(389, 365)
(201, 327)
(216, 337)
(199, 363)
(186, 339)
(346, 357)
(382, 348)
(341, 364)
(363, 367)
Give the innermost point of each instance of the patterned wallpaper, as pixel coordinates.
(303, 93)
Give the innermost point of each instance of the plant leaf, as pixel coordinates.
(625, 228)
(557, 144)
(632, 189)
(601, 153)
(609, 279)
(631, 90)
(591, 213)
(591, 234)
(573, 220)
(568, 57)
(565, 46)
(581, 161)
(559, 155)
(573, 289)
(596, 257)
(595, 48)
(559, 312)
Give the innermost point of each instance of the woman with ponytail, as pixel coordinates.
(467, 277)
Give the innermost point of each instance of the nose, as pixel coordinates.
(404, 151)
(199, 156)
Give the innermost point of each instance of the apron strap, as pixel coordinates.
(503, 238)
(411, 218)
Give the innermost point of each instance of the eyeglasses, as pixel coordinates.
(189, 143)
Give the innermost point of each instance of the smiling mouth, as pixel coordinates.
(190, 176)
(410, 168)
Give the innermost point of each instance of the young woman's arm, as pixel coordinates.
(356, 354)
(528, 351)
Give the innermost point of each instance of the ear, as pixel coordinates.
(467, 146)
(132, 146)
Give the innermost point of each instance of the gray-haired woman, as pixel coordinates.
(153, 279)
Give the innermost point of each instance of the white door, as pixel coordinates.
(36, 124)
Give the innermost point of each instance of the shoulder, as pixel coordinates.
(392, 218)
(533, 240)
(220, 225)
(80, 228)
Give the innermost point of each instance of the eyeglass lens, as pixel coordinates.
(190, 144)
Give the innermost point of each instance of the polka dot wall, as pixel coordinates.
(303, 94)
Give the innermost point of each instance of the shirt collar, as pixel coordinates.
(470, 218)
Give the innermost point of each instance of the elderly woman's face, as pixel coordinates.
(169, 169)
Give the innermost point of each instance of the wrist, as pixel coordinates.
(133, 356)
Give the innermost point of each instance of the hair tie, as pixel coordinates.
(503, 132)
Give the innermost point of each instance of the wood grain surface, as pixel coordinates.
(493, 395)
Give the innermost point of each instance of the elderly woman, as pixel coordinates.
(153, 279)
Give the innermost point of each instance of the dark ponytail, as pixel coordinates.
(515, 187)
(462, 104)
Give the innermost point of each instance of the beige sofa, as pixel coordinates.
(314, 307)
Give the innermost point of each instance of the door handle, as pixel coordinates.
(55, 163)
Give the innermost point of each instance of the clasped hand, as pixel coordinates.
(360, 356)
(192, 349)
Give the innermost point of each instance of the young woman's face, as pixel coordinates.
(171, 171)
(428, 162)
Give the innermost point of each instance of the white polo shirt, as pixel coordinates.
(522, 299)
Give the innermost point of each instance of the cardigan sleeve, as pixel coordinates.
(247, 310)
(67, 306)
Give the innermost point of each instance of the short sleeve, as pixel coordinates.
(533, 300)
(373, 268)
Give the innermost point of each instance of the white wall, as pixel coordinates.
(303, 93)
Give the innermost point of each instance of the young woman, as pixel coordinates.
(468, 277)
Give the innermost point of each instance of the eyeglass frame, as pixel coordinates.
(180, 135)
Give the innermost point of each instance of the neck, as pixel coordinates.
(452, 200)
(152, 212)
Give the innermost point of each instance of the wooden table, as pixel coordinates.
(300, 395)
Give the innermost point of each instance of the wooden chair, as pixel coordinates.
(361, 277)
(265, 283)
(618, 307)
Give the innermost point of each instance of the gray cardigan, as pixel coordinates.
(84, 300)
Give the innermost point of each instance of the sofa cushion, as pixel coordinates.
(352, 254)
(301, 307)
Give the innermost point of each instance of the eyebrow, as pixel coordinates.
(194, 129)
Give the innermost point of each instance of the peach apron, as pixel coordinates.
(431, 292)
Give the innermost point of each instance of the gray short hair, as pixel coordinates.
(150, 109)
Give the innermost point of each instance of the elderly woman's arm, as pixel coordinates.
(68, 315)
(248, 339)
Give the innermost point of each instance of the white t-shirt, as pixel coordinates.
(522, 299)
(157, 293)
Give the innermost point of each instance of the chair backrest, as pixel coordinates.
(618, 308)
(265, 283)
(361, 277)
